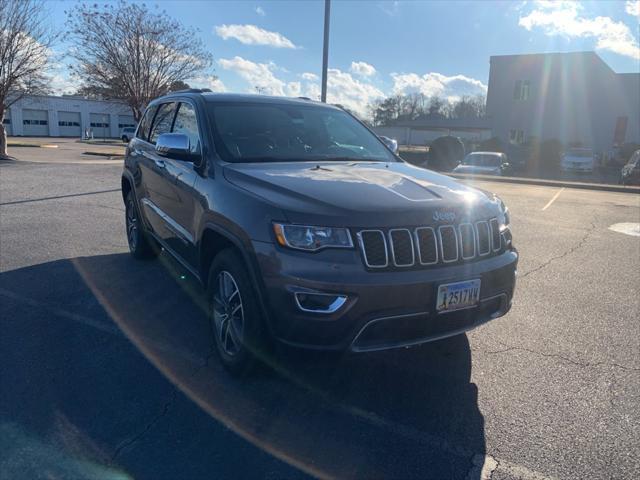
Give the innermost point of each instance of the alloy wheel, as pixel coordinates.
(132, 225)
(228, 314)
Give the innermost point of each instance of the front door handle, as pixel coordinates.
(160, 163)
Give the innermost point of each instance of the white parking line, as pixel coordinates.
(553, 199)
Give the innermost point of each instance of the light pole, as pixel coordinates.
(325, 50)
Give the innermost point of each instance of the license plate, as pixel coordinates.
(459, 295)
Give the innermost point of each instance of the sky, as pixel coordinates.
(380, 48)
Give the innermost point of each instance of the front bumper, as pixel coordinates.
(382, 309)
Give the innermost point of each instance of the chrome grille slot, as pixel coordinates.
(374, 248)
(484, 238)
(495, 235)
(427, 245)
(448, 243)
(467, 240)
(401, 247)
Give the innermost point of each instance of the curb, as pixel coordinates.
(548, 183)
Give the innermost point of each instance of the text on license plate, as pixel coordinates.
(454, 296)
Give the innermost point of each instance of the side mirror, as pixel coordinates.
(175, 145)
(505, 165)
(391, 143)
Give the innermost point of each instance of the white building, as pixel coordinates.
(48, 116)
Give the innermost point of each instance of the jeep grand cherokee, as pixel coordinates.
(306, 229)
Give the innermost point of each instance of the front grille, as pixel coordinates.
(403, 247)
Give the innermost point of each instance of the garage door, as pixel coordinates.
(100, 125)
(7, 122)
(69, 124)
(35, 123)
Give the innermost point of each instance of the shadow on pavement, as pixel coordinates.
(78, 397)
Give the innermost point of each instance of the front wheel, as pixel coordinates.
(236, 319)
(140, 245)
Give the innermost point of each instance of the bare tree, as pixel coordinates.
(126, 52)
(25, 41)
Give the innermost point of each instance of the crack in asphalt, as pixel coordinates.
(579, 245)
(561, 357)
(130, 442)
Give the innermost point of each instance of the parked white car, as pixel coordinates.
(483, 163)
(577, 160)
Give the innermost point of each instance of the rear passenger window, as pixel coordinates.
(145, 123)
(187, 123)
(163, 121)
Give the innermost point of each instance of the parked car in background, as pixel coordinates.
(630, 174)
(127, 134)
(483, 163)
(578, 160)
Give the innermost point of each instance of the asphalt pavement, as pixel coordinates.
(106, 368)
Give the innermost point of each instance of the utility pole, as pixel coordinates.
(325, 50)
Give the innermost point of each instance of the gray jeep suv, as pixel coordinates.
(305, 229)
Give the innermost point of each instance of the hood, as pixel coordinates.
(469, 169)
(361, 194)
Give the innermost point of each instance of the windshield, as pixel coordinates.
(249, 132)
(482, 160)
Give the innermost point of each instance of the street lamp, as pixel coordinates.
(325, 50)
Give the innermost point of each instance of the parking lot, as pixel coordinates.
(107, 371)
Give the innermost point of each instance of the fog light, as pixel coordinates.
(319, 302)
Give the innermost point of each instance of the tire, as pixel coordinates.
(125, 139)
(140, 245)
(234, 314)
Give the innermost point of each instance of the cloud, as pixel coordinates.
(362, 69)
(342, 88)
(565, 19)
(260, 11)
(633, 8)
(437, 84)
(259, 75)
(253, 35)
(208, 81)
(349, 92)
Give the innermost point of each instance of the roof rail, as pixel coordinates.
(193, 90)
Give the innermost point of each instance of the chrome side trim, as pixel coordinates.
(435, 244)
(393, 254)
(455, 233)
(473, 234)
(488, 238)
(334, 307)
(175, 256)
(364, 251)
(174, 226)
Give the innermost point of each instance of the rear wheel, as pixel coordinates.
(236, 320)
(140, 245)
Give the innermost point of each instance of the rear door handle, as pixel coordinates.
(160, 163)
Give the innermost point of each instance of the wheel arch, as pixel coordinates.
(213, 240)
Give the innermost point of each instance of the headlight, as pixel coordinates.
(310, 238)
(503, 216)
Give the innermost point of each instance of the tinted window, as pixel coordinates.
(145, 123)
(187, 123)
(287, 132)
(163, 121)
